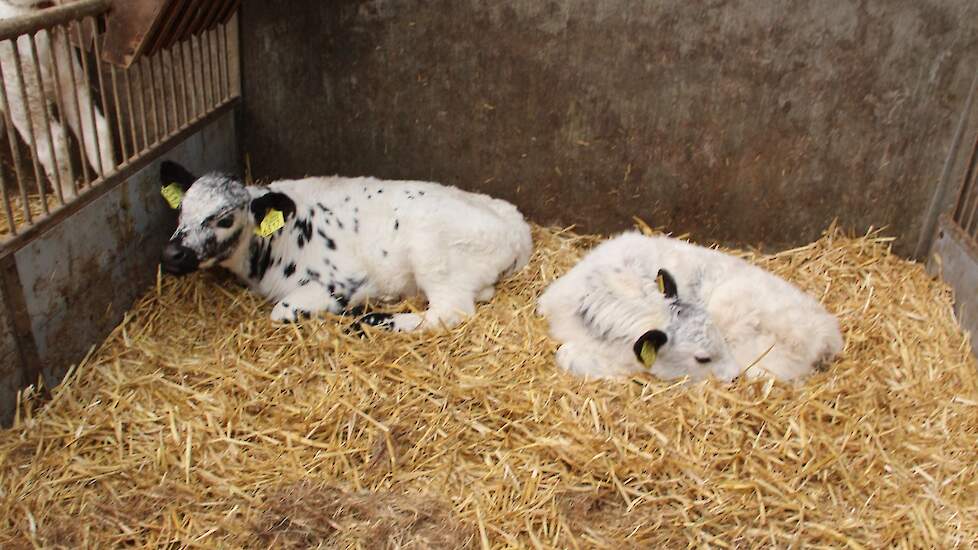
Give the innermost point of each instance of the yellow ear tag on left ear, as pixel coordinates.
(173, 195)
(273, 221)
(648, 354)
(662, 289)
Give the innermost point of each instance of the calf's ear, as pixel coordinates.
(647, 346)
(171, 172)
(667, 285)
(272, 200)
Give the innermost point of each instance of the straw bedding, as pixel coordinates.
(198, 422)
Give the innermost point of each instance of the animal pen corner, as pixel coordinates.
(92, 93)
(187, 417)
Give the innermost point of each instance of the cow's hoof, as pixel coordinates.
(383, 320)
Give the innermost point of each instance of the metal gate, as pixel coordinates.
(73, 122)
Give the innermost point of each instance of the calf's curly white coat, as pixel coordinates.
(350, 240)
(708, 314)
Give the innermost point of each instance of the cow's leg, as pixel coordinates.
(27, 103)
(304, 302)
(55, 139)
(591, 359)
(446, 308)
(485, 294)
(81, 122)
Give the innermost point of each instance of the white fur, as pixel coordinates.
(391, 239)
(41, 96)
(610, 298)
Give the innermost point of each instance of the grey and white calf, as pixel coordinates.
(349, 240)
(674, 309)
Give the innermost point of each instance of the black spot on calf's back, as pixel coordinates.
(329, 242)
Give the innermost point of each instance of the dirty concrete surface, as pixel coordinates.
(748, 122)
(82, 275)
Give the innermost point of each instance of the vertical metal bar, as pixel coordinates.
(219, 55)
(30, 127)
(234, 53)
(205, 73)
(6, 205)
(181, 81)
(198, 81)
(132, 112)
(197, 55)
(59, 101)
(210, 68)
(205, 52)
(141, 104)
(12, 138)
(91, 104)
(74, 86)
(152, 99)
(118, 113)
(216, 54)
(101, 82)
(157, 74)
(56, 181)
(167, 98)
(227, 61)
(198, 72)
(223, 61)
(173, 89)
(189, 79)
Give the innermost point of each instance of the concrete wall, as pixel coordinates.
(79, 278)
(748, 121)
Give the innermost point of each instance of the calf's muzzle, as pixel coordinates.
(178, 259)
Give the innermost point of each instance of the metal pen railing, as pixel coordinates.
(72, 120)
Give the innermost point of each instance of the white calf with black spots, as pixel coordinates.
(349, 240)
(638, 303)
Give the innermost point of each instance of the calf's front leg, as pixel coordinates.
(305, 302)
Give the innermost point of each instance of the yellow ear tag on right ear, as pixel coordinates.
(662, 289)
(173, 194)
(648, 354)
(273, 221)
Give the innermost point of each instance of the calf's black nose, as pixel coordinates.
(178, 259)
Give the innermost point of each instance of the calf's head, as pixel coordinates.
(689, 345)
(217, 213)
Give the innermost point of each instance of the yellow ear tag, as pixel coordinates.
(662, 289)
(273, 221)
(648, 354)
(173, 195)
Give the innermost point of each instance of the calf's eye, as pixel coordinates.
(703, 360)
(226, 221)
